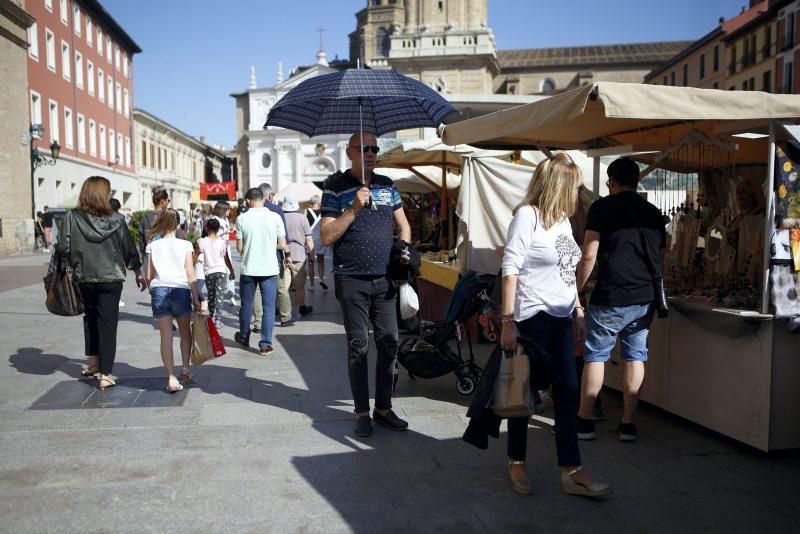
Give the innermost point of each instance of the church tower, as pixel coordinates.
(446, 44)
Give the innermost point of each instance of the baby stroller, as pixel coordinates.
(424, 348)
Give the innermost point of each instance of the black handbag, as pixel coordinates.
(63, 293)
(659, 290)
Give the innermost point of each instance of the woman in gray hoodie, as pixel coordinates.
(96, 242)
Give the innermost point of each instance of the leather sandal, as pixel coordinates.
(571, 487)
(187, 378)
(105, 381)
(90, 371)
(520, 483)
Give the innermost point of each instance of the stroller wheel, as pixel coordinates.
(465, 385)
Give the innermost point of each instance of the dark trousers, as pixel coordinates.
(554, 335)
(366, 300)
(100, 318)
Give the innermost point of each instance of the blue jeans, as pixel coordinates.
(554, 335)
(630, 323)
(171, 301)
(247, 289)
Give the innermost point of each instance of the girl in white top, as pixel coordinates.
(539, 303)
(173, 286)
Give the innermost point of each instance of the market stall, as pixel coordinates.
(724, 358)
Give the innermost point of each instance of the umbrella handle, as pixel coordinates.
(364, 181)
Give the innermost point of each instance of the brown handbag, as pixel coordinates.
(63, 293)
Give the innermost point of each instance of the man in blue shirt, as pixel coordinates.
(359, 214)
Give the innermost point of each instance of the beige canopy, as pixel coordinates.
(647, 117)
(407, 181)
(434, 152)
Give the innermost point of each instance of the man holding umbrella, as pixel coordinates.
(360, 210)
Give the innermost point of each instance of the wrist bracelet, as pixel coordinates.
(505, 320)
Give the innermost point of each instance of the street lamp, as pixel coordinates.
(38, 160)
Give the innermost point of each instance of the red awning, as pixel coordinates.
(218, 191)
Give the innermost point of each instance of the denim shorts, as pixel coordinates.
(630, 323)
(174, 301)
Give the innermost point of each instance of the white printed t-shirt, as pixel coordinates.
(169, 262)
(544, 261)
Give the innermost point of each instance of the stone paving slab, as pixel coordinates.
(266, 444)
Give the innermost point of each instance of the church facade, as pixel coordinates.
(446, 44)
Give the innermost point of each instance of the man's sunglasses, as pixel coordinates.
(367, 148)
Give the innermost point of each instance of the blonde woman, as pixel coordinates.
(540, 302)
(172, 281)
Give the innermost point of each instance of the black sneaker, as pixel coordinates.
(237, 337)
(255, 329)
(598, 414)
(290, 322)
(626, 431)
(363, 426)
(324, 285)
(585, 428)
(390, 420)
(305, 310)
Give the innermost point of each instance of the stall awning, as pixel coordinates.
(218, 191)
(608, 114)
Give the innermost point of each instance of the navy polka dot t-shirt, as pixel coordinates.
(365, 247)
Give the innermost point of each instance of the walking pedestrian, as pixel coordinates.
(298, 236)
(115, 205)
(161, 202)
(217, 268)
(317, 255)
(99, 247)
(621, 304)
(283, 301)
(221, 212)
(259, 233)
(359, 214)
(47, 222)
(38, 232)
(540, 303)
(171, 279)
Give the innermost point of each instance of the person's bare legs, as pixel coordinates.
(632, 378)
(321, 265)
(591, 383)
(185, 331)
(165, 329)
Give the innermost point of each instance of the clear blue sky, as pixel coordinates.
(197, 52)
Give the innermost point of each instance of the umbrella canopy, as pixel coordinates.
(301, 191)
(376, 101)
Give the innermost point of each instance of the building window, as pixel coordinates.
(128, 151)
(143, 154)
(110, 91)
(36, 108)
(76, 19)
(746, 53)
(685, 74)
(766, 82)
(548, 86)
(89, 32)
(112, 150)
(702, 66)
(68, 133)
(127, 103)
(92, 137)
(767, 50)
(716, 85)
(81, 133)
(50, 49)
(672, 78)
(752, 84)
(788, 36)
(788, 82)
(33, 41)
(102, 142)
(53, 118)
(101, 85)
(99, 42)
(125, 65)
(48, 4)
(716, 58)
(118, 95)
(665, 80)
(382, 42)
(90, 77)
(66, 61)
(117, 61)
(152, 156)
(120, 147)
(108, 49)
(64, 11)
(79, 70)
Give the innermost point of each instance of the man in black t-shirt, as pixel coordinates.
(358, 218)
(618, 228)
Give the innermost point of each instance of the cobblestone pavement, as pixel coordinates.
(266, 444)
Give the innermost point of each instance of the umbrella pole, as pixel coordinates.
(361, 140)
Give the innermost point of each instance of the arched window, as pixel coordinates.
(548, 86)
(382, 42)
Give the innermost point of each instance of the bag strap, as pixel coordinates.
(647, 256)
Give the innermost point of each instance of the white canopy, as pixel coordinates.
(434, 152)
(408, 182)
(301, 191)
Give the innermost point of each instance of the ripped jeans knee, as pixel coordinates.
(357, 350)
